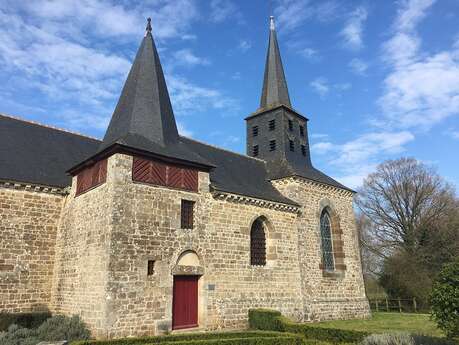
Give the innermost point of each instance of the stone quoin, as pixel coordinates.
(150, 231)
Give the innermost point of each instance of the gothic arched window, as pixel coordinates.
(257, 244)
(326, 241)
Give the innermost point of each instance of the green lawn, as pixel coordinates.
(389, 322)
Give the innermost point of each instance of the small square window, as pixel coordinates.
(290, 125)
(303, 150)
(255, 150)
(272, 125)
(187, 214)
(255, 131)
(151, 267)
(302, 131)
(291, 145)
(272, 145)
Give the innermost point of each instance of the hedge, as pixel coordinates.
(227, 338)
(272, 320)
(23, 320)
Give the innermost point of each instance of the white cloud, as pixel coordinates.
(190, 98)
(321, 86)
(455, 134)
(353, 30)
(222, 10)
(183, 130)
(309, 53)
(291, 14)
(421, 89)
(244, 45)
(186, 57)
(358, 66)
(358, 157)
(322, 147)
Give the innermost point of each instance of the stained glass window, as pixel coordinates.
(326, 240)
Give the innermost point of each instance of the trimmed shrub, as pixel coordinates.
(19, 336)
(388, 339)
(273, 320)
(445, 300)
(227, 338)
(61, 327)
(53, 329)
(24, 320)
(403, 339)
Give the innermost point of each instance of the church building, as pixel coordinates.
(148, 231)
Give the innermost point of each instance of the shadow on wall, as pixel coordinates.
(33, 319)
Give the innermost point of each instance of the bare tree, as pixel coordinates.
(402, 200)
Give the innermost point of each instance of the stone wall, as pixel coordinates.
(28, 225)
(146, 226)
(83, 249)
(327, 295)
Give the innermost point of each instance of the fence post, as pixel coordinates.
(415, 306)
(387, 305)
(399, 305)
(376, 301)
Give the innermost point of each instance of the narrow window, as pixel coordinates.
(150, 267)
(303, 150)
(327, 242)
(291, 145)
(272, 145)
(302, 131)
(290, 125)
(255, 131)
(255, 150)
(187, 214)
(257, 244)
(272, 125)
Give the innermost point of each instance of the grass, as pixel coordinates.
(389, 322)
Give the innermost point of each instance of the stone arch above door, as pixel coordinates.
(188, 263)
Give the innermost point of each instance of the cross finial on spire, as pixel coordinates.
(148, 28)
(271, 23)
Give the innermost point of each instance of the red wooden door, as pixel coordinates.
(185, 302)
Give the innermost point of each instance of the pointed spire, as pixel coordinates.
(144, 110)
(275, 91)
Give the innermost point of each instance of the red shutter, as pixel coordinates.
(174, 177)
(148, 171)
(144, 170)
(190, 179)
(91, 176)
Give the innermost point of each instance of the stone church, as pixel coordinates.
(148, 231)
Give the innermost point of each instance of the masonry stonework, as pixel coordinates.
(327, 295)
(28, 225)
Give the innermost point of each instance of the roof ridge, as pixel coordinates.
(219, 148)
(47, 126)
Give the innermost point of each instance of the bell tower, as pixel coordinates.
(275, 132)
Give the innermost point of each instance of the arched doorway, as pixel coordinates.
(185, 299)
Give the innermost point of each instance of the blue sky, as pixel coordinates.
(377, 79)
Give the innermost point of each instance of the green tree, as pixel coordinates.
(445, 299)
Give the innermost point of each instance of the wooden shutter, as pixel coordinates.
(91, 177)
(144, 170)
(152, 172)
(174, 177)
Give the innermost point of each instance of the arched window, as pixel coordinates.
(257, 243)
(326, 241)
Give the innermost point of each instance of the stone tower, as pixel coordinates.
(275, 132)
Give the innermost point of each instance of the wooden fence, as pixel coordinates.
(397, 304)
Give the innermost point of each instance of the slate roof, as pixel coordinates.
(37, 154)
(275, 91)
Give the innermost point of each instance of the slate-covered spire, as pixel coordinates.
(144, 111)
(275, 91)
